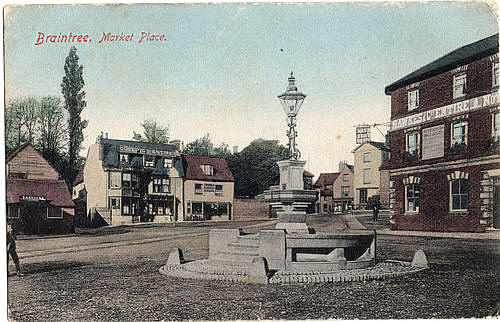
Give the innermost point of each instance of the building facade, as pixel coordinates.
(368, 179)
(125, 181)
(324, 186)
(343, 194)
(444, 139)
(37, 200)
(208, 188)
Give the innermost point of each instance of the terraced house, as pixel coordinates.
(444, 139)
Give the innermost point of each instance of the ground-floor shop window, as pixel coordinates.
(54, 212)
(363, 196)
(13, 211)
(114, 203)
(459, 194)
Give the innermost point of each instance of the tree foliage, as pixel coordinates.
(153, 133)
(254, 168)
(205, 148)
(74, 102)
(41, 123)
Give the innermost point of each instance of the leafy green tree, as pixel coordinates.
(255, 168)
(74, 102)
(204, 147)
(153, 133)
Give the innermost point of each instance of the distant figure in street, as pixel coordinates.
(11, 250)
(375, 212)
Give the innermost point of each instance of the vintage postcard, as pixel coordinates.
(251, 161)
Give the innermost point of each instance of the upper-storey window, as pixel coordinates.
(207, 169)
(149, 161)
(126, 180)
(345, 177)
(167, 163)
(366, 157)
(115, 179)
(412, 142)
(123, 157)
(458, 133)
(459, 81)
(412, 99)
(494, 73)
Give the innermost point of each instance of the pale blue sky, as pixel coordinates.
(222, 66)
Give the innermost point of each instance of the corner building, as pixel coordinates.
(444, 142)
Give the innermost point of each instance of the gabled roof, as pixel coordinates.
(326, 179)
(54, 191)
(193, 171)
(15, 152)
(459, 57)
(308, 174)
(378, 145)
(79, 176)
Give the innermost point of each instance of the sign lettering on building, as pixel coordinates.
(446, 111)
(32, 198)
(131, 149)
(433, 142)
(363, 134)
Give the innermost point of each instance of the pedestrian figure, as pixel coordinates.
(375, 212)
(11, 250)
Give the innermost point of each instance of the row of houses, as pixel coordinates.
(353, 185)
(121, 182)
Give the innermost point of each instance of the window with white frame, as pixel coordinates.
(218, 189)
(126, 180)
(197, 188)
(412, 99)
(126, 206)
(458, 194)
(135, 180)
(149, 161)
(115, 179)
(412, 139)
(345, 177)
(495, 80)
(366, 157)
(123, 157)
(207, 169)
(114, 203)
(344, 190)
(366, 176)
(161, 185)
(496, 125)
(167, 163)
(459, 82)
(209, 187)
(412, 195)
(458, 133)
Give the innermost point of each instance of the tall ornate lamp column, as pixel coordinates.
(291, 201)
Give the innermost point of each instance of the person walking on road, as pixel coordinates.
(11, 250)
(375, 212)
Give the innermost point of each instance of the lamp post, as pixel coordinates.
(292, 100)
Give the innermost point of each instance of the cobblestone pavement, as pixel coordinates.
(122, 282)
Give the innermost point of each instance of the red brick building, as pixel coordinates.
(444, 139)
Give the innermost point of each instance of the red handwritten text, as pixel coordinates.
(60, 38)
(146, 36)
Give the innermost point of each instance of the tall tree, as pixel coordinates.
(74, 101)
(153, 133)
(52, 129)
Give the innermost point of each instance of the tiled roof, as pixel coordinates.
(79, 176)
(192, 167)
(459, 57)
(308, 174)
(326, 179)
(54, 191)
(326, 192)
(378, 145)
(15, 152)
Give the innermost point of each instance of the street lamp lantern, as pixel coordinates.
(292, 100)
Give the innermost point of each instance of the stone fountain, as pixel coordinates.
(291, 252)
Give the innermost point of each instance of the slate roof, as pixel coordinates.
(192, 167)
(15, 152)
(378, 145)
(326, 179)
(459, 57)
(54, 191)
